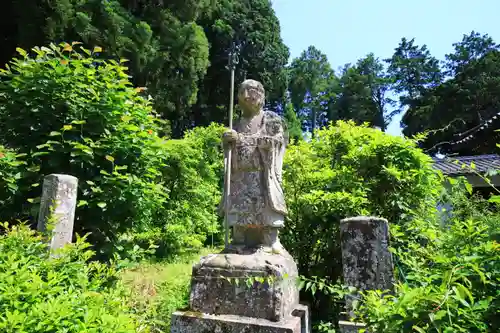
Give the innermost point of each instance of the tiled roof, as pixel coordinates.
(482, 164)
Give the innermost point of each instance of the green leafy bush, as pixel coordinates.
(11, 171)
(65, 293)
(349, 170)
(467, 204)
(449, 280)
(72, 113)
(192, 173)
(75, 114)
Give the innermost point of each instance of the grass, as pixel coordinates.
(159, 289)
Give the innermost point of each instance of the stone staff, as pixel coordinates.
(233, 61)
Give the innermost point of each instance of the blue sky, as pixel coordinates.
(348, 30)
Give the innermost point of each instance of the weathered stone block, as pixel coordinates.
(212, 293)
(195, 322)
(59, 203)
(366, 259)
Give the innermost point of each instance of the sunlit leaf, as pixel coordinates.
(468, 186)
(82, 203)
(21, 52)
(494, 198)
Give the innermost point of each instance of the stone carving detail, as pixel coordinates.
(257, 206)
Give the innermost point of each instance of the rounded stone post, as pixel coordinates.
(366, 259)
(57, 208)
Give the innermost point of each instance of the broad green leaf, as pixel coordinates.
(439, 315)
(494, 198)
(468, 186)
(418, 329)
(465, 291)
(21, 52)
(82, 203)
(459, 295)
(302, 284)
(313, 288)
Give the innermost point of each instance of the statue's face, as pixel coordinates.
(250, 97)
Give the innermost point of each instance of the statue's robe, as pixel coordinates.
(256, 194)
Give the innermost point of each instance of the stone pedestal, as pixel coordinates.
(366, 259)
(244, 290)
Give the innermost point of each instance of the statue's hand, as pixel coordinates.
(229, 137)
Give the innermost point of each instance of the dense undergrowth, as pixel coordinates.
(62, 293)
(347, 171)
(448, 274)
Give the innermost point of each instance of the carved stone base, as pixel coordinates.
(195, 322)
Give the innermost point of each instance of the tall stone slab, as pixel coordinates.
(366, 259)
(57, 208)
(251, 286)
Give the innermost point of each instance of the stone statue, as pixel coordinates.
(256, 210)
(257, 206)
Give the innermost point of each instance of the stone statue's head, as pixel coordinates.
(251, 97)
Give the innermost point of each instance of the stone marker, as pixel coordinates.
(256, 207)
(366, 259)
(58, 202)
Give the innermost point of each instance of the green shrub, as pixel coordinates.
(349, 170)
(467, 204)
(12, 168)
(75, 114)
(66, 293)
(450, 282)
(192, 173)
